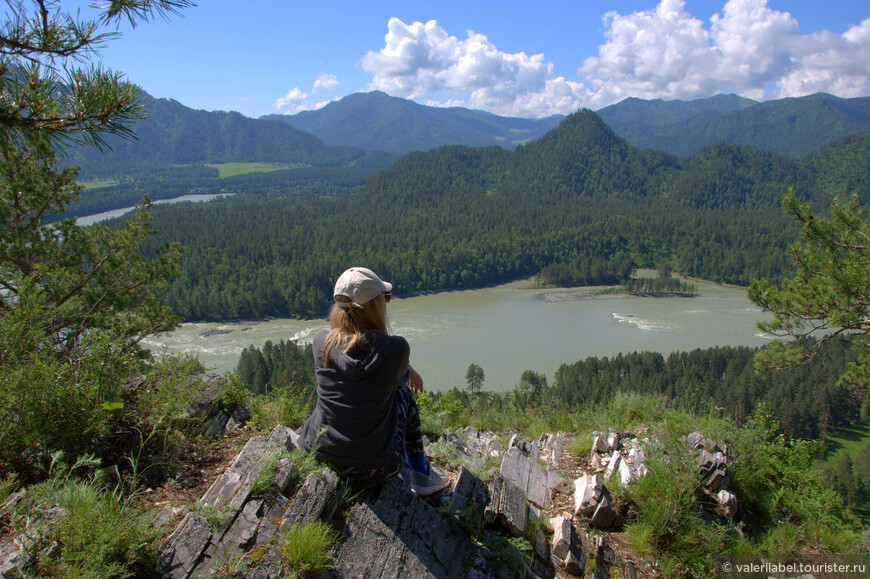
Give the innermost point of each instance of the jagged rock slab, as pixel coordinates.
(315, 500)
(605, 516)
(728, 502)
(233, 487)
(12, 561)
(537, 482)
(271, 515)
(717, 480)
(194, 548)
(552, 446)
(226, 420)
(185, 546)
(394, 533)
(468, 499)
(235, 541)
(588, 491)
(205, 403)
(526, 447)
(562, 535)
(567, 551)
(628, 570)
(508, 505)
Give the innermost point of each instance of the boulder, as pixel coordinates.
(508, 505)
(717, 480)
(612, 441)
(205, 403)
(567, 551)
(599, 444)
(728, 503)
(706, 463)
(605, 516)
(588, 491)
(562, 535)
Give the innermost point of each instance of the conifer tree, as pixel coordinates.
(828, 297)
(51, 98)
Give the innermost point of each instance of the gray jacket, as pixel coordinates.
(356, 402)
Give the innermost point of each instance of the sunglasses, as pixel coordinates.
(387, 296)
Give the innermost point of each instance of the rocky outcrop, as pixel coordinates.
(388, 531)
(499, 524)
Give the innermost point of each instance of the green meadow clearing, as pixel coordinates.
(233, 169)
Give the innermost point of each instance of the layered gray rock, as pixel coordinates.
(195, 547)
(605, 515)
(394, 533)
(535, 480)
(551, 447)
(468, 499)
(567, 552)
(728, 503)
(507, 505)
(184, 547)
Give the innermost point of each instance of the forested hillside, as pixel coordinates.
(581, 199)
(375, 121)
(166, 182)
(794, 126)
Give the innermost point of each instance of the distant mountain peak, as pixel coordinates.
(377, 121)
(793, 126)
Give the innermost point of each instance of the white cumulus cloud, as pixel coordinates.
(296, 100)
(420, 59)
(292, 101)
(747, 48)
(325, 81)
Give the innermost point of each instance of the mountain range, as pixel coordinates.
(794, 126)
(375, 121)
(372, 129)
(174, 134)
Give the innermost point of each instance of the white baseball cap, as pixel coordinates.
(357, 286)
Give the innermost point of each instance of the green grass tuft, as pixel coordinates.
(307, 549)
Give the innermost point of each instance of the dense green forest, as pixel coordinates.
(806, 400)
(793, 126)
(652, 286)
(277, 366)
(580, 199)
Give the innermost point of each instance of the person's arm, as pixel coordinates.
(415, 381)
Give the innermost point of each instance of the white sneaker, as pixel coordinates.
(425, 485)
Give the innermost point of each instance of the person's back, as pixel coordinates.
(356, 401)
(365, 421)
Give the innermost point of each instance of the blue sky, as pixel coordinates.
(511, 58)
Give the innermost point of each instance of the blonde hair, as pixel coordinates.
(349, 325)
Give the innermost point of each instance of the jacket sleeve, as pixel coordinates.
(404, 354)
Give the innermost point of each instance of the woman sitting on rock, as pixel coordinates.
(365, 423)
